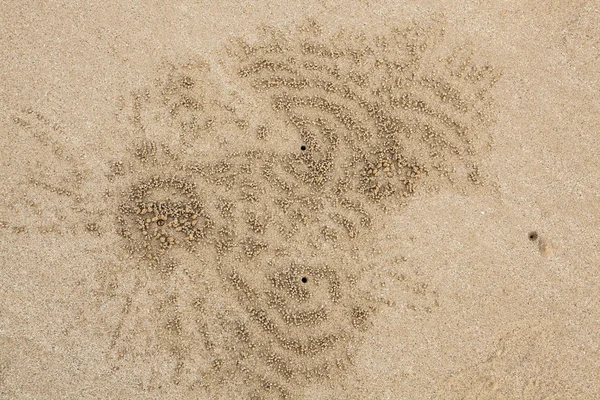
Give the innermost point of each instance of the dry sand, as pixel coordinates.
(311, 200)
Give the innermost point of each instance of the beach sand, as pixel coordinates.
(303, 200)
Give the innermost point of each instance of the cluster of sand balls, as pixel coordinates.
(160, 225)
(375, 123)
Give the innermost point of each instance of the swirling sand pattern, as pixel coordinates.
(376, 120)
(239, 270)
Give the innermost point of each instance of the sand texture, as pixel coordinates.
(303, 200)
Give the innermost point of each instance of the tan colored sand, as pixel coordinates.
(164, 235)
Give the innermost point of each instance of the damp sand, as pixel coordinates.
(299, 207)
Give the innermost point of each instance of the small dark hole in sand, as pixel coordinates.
(160, 222)
(533, 235)
(303, 147)
(304, 279)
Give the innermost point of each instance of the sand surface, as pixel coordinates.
(300, 200)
